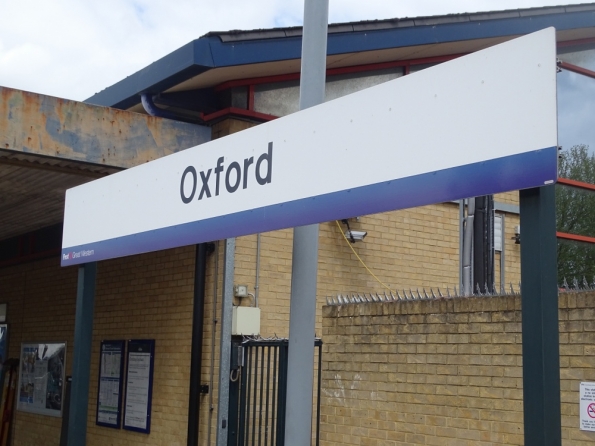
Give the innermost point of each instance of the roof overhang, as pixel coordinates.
(219, 57)
(48, 145)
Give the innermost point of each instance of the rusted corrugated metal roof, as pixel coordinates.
(48, 145)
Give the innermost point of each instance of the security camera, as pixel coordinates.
(517, 235)
(355, 236)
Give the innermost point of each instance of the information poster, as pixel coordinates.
(139, 385)
(587, 406)
(41, 378)
(109, 393)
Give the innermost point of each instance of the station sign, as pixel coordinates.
(480, 124)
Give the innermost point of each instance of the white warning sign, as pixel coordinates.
(587, 406)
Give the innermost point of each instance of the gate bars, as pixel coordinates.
(263, 392)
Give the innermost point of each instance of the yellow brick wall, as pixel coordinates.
(148, 296)
(411, 249)
(443, 372)
(41, 298)
(577, 361)
(508, 197)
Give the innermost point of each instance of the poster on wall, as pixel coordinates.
(41, 378)
(109, 392)
(139, 385)
(587, 406)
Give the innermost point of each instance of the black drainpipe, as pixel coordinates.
(200, 270)
(153, 110)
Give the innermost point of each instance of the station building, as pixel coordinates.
(226, 82)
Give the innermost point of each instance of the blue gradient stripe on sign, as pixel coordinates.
(522, 171)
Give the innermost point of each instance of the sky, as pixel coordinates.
(75, 48)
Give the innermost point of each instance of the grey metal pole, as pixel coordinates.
(81, 363)
(461, 236)
(225, 347)
(503, 256)
(300, 375)
(541, 342)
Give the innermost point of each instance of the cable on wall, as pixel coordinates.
(359, 258)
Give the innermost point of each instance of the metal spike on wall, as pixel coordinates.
(577, 286)
(407, 295)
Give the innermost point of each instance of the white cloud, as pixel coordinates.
(73, 48)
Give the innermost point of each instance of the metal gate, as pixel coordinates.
(258, 392)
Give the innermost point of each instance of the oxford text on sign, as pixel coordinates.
(233, 176)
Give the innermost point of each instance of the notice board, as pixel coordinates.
(139, 385)
(111, 378)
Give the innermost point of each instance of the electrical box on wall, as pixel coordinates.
(245, 321)
(240, 290)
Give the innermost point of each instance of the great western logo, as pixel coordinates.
(78, 254)
(235, 175)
